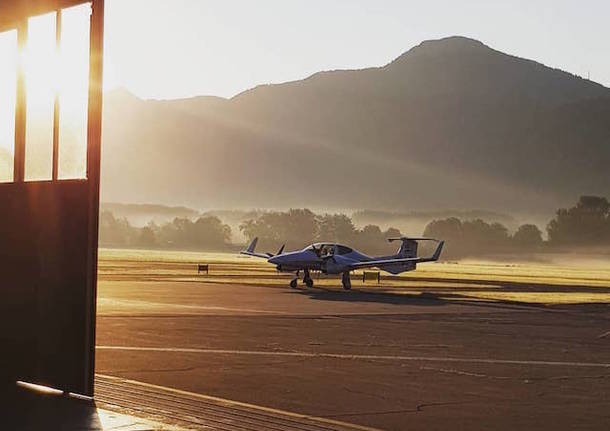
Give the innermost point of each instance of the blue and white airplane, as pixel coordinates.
(332, 258)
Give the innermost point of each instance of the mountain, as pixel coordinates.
(451, 123)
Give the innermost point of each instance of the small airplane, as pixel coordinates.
(332, 258)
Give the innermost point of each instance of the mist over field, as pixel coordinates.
(580, 230)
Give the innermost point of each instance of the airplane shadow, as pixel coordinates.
(356, 295)
(456, 291)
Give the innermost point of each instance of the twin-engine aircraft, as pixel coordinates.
(331, 258)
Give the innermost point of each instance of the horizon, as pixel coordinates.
(207, 49)
(127, 90)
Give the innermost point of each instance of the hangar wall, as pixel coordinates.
(48, 241)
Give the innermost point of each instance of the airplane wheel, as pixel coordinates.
(293, 283)
(309, 282)
(347, 283)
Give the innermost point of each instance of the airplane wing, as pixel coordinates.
(250, 251)
(381, 262)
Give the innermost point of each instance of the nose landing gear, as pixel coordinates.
(307, 280)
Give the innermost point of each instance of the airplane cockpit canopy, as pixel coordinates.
(329, 249)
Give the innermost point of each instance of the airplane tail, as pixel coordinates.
(408, 250)
(250, 250)
(437, 253)
(252, 245)
(408, 246)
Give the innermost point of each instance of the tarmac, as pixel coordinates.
(364, 359)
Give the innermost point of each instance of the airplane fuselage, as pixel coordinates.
(308, 259)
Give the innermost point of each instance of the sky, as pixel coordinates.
(181, 48)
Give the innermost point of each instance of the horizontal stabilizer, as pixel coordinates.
(393, 260)
(408, 238)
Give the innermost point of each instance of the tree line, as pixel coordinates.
(294, 228)
(585, 224)
(299, 227)
(205, 233)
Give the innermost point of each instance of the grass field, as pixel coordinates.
(565, 280)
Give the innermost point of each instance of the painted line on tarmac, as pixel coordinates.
(107, 302)
(298, 354)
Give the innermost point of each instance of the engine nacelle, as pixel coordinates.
(334, 265)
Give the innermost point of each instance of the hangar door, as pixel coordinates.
(50, 127)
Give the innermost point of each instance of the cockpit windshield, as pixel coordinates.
(326, 249)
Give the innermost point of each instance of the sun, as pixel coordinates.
(8, 65)
(53, 72)
(56, 74)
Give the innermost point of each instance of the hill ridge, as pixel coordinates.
(485, 129)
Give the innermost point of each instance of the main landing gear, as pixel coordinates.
(307, 279)
(347, 282)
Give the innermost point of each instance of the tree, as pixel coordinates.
(115, 232)
(587, 223)
(528, 236)
(296, 228)
(210, 233)
(147, 238)
(299, 227)
(392, 232)
(469, 237)
(206, 233)
(335, 227)
(449, 230)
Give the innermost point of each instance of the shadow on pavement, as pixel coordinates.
(439, 295)
(28, 410)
